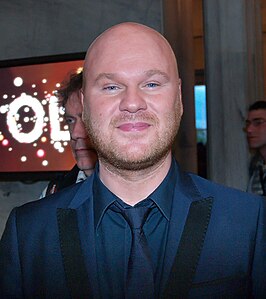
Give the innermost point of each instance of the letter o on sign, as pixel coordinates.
(36, 106)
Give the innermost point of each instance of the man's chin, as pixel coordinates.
(134, 162)
(85, 163)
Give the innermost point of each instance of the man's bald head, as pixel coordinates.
(129, 38)
(132, 96)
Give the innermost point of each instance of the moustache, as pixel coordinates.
(141, 116)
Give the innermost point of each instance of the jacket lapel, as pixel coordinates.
(188, 225)
(74, 265)
(77, 241)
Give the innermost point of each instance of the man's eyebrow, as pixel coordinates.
(148, 74)
(151, 73)
(104, 76)
(72, 116)
(255, 118)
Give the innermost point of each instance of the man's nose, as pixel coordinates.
(133, 100)
(249, 127)
(79, 130)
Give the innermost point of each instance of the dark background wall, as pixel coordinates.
(31, 28)
(36, 28)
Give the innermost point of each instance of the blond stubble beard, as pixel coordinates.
(110, 152)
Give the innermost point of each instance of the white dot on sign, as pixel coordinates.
(33, 85)
(40, 153)
(35, 93)
(5, 142)
(57, 145)
(65, 143)
(66, 127)
(26, 119)
(61, 150)
(5, 96)
(23, 159)
(44, 102)
(1, 136)
(18, 81)
(10, 149)
(26, 109)
(44, 80)
(61, 119)
(34, 144)
(45, 92)
(57, 85)
(43, 139)
(4, 109)
(46, 118)
(45, 130)
(44, 162)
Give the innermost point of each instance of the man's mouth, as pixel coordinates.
(134, 127)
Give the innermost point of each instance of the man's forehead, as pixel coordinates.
(258, 113)
(126, 37)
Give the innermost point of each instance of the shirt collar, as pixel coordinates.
(81, 176)
(162, 196)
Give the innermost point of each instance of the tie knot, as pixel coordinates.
(136, 216)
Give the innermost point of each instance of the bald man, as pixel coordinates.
(139, 227)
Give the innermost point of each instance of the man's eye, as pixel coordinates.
(111, 87)
(258, 122)
(69, 121)
(152, 85)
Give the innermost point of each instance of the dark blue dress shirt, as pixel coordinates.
(113, 235)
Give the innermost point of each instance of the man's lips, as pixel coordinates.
(133, 127)
(84, 149)
(252, 137)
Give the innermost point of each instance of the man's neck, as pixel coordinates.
(262, 152)
(134, 186)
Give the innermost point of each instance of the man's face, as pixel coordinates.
(132, 100)
(82, 149)
(256, 128)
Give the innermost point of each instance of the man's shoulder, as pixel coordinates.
(40, 218)
(209, 188)
(60, 199)
(62, 181)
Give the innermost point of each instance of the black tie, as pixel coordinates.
(140, 276)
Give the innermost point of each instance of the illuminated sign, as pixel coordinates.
(33, 134)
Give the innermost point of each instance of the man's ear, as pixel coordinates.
(180, 95)
(81, 96)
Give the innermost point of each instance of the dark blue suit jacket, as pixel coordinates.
(216, 245)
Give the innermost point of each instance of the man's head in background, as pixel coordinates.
(256, 127)
(82, 149)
